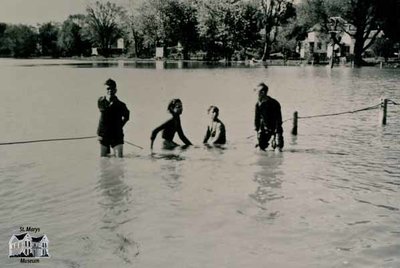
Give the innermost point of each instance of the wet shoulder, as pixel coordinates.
(221, 125)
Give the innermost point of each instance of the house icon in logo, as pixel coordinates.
(25, 245)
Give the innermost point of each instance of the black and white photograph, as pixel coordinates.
(200, 133)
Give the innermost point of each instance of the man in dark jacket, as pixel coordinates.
(113, 117)
(268, 119)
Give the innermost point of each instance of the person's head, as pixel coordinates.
(111, 87)
(213, 111)
(262, 90)
(175, 107)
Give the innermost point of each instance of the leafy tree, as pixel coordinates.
(274, 13)
(21, 40)
(180, 25)
(71, 40)
(363, 15)
(4, 50)
(151, 25)
(165, 23)
(383, 47)
(389, 14)
(247, 28)
(133, 30)
(104, 22)
(48, 36)
(289, 38)
(227, 26)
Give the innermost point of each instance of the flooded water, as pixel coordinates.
(330, 199)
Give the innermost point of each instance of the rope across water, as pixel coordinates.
(341, 113)
(47, 140)
(137, 146)
(60, 139)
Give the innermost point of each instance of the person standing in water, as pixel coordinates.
(268, 120)
(216, 133)
(113, 116)
(171, 126)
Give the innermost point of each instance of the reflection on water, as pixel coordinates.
(170, 168)
(269, 182)
(116, 203)
(116, 193)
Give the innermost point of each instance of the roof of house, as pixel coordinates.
(21, 236)
(37, 239)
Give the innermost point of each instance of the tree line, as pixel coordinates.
(209, 29)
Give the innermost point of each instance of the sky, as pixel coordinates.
(33, 12)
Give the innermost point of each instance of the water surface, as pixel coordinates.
(330, 199)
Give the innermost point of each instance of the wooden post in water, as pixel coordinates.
(384, 103)
(295, 119)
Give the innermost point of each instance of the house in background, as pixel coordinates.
(25, 245)
(318, 46)
(315, 46)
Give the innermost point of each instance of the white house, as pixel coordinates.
(25, 245)
(319, 44)
(316, 43)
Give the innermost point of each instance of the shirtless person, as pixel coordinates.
(216, 133)
(171, 126)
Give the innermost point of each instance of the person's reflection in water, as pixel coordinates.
(171, 172)
(116, 202)
(269, 180)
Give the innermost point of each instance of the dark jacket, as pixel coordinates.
(113, 117)
(268, 116)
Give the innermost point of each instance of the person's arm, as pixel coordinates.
(155, 132)
(101, 105)
(125, 115)
(279, 130)
(278, 127)
(207, 136)
(181, 135)
(257, 118)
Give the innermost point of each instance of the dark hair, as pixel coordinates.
(172, 104)
(111, 83)
(213, 108)
(263, 86)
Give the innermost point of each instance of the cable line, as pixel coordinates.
(47, 140)
(348, 112)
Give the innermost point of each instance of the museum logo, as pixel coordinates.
(30, 248)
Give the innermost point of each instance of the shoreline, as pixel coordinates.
(391, 64)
